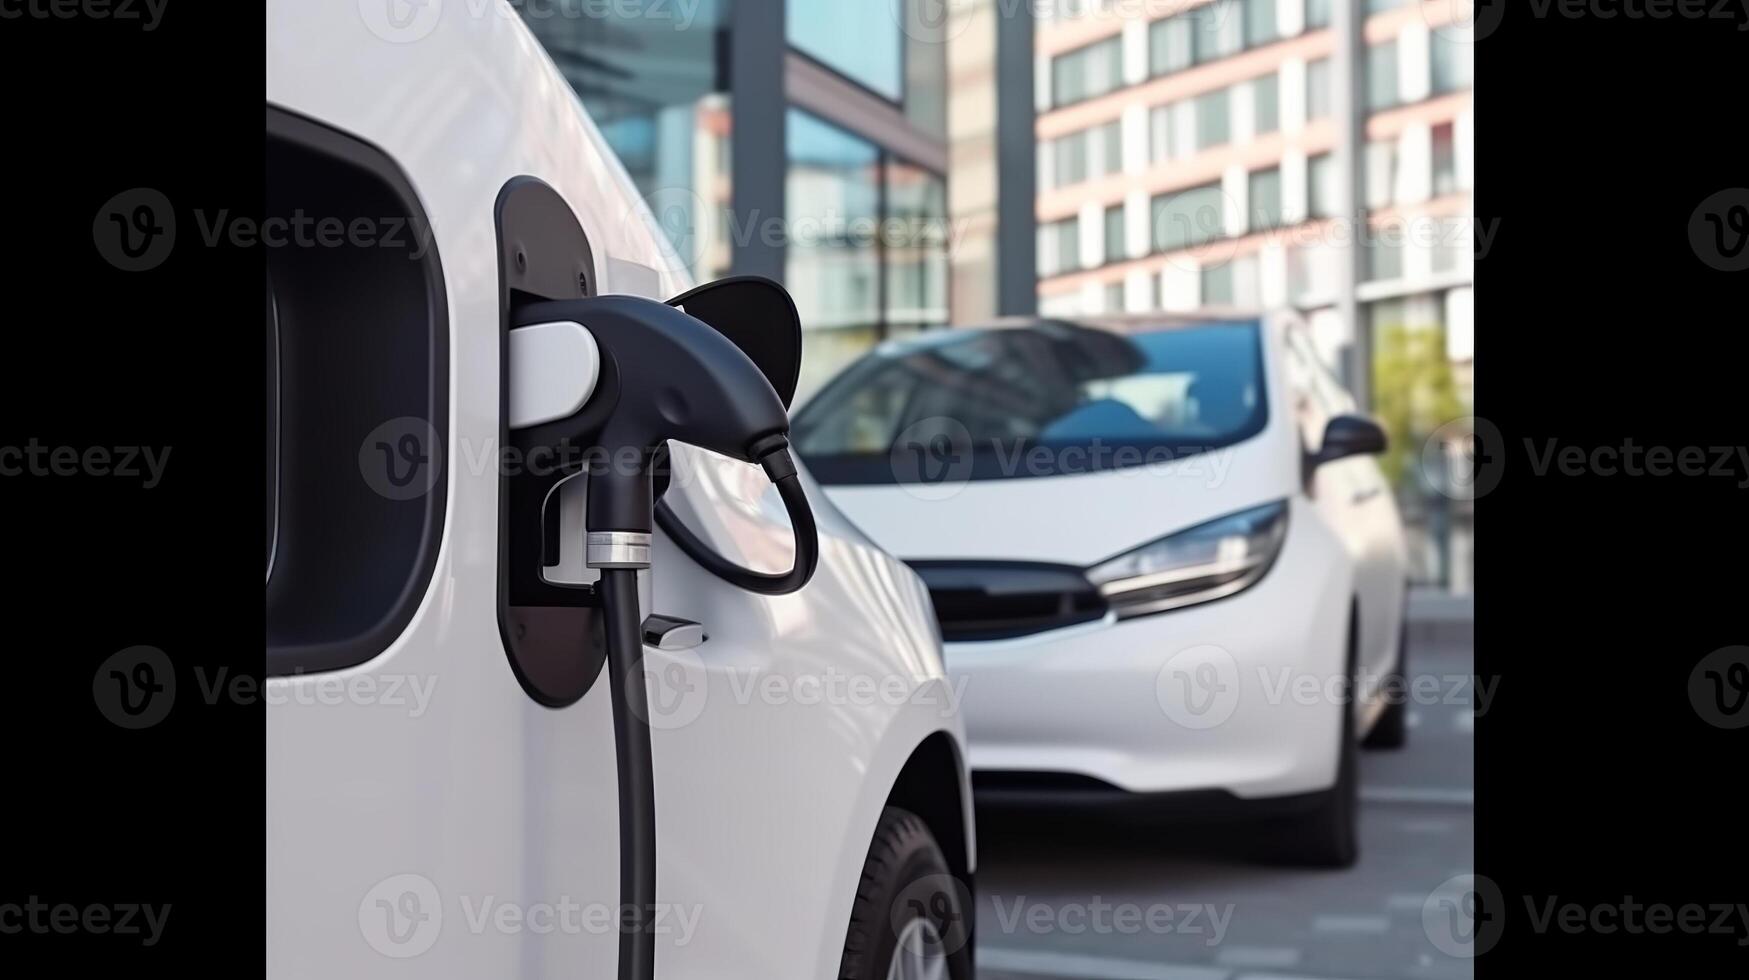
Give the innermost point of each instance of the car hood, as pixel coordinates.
(1078, 519)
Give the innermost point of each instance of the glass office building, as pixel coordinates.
(802, 140)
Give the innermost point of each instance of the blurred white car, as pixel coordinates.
(1161, 554)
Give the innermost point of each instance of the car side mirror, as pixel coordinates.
(1349, 435)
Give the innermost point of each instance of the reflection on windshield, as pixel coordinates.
(994, 397)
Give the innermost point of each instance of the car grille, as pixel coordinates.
(993, 600)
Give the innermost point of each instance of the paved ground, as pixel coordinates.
(1060, 898)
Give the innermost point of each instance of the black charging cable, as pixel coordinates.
(637, 790)
(781, 470)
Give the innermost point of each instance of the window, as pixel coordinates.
(1317, 14)
(1452, 63)
(1082, 74)
(1059, 247)
(1169, 47)
(1318, 93)
(1266, 103)
(1114, 234)
(1380, 6)
(1160, 133)
(1213, 119)
(1381, 173)
(1321, 185)
(1188, 218)
(1216, 30)
(914, 247)
(1217, 285)
(1265, 197)
(1384, 260)
(861, 40)
(1259, 22)
(1444, 161)
(1114, 297)
(1382, 90)
(1107, 146)
(1070, 159)
(867, 252)
(1232, 283)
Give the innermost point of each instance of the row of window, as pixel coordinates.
(1227, 27)
(1189, 126)
(1195, 216)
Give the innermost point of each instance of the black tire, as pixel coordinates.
(904, 879)
(1326, 833)
(1391, 731)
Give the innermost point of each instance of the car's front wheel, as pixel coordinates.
(911, 916)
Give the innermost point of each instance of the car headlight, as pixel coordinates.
(1208, 561)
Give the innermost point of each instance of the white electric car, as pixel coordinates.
(442, 793)
(1159, 550)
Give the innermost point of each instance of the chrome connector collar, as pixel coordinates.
(617, 549)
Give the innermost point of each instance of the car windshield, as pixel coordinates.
(1043, 400)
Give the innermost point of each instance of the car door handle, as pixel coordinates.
(1362, 496)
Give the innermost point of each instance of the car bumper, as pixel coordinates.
(1241, 696)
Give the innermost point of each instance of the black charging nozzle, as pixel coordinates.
(663, 375)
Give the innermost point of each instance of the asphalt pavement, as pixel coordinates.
(1074, 897)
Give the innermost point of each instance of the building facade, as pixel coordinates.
(1188, 158)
